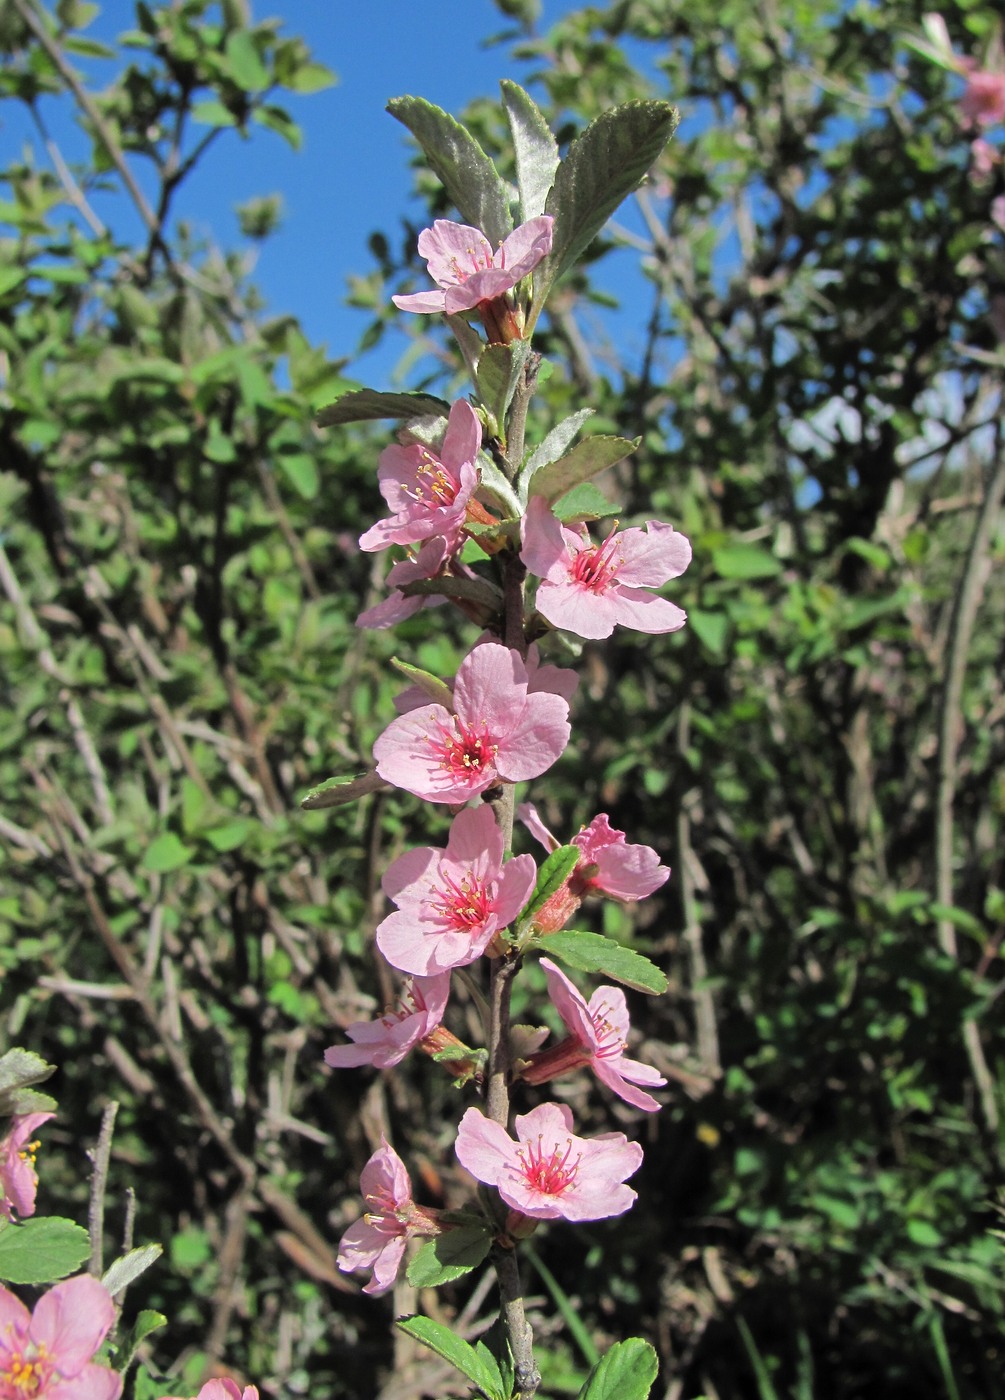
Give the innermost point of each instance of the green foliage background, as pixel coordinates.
(820, 405)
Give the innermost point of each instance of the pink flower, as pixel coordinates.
(998, 215)
(983, 100)
(499, 730)
(598, 1038)
(47, 1353)
(18, 1178)
(452, 902)
(386, 1042)
(467, 271)
(223, 1388)
(610, 864)
(588, 589)
(428, 492)
(548, 1171)
(378, 1241)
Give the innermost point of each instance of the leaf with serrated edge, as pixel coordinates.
(626, 1372)
(499, 371)
(129, 1266)
(21, 1101)
(19, 1068)
(552, 875)
(457, 160)
(552, 447)
(368, 405)
(592, 952)
(584, 502)
(334, 792)
(605, 163)
(534, 146)
(451, 1347)
(42, 1249)
(583, 462)
(449, 1256)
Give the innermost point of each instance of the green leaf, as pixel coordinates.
(605, 163)
(626, 1372)
(552, 447)
(535, 149)
(11, 277)
(87, 48)
(310, 77)
(244, 61)
(301, 471)
(438, 691)
(129, 1267)
(230, 835)
(923, 1232)
(585, 502)
(366, 405)
(744, 561)
(335, 792)
(584, 462)
(467, 174)
(277, 119)
(213, 114)
(42, 1249)
(710, 629)
(165, 853)
(453, 1349)
(592, 952)
(18, 1069)
(498, 373)
(146, 1322)
(449, 1255)
(552, 875)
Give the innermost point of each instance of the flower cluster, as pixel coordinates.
(463, 742)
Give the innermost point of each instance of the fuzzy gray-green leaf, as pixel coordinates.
(605, 163)
(534, 146)
(467, 174)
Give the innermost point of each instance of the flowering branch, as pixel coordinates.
(503, 719)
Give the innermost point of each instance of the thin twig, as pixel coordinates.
(33, 20)
(99, 1184)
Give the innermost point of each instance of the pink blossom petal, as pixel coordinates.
(528, 814)
(15, 1319)
(71, 1321)
(653, 556)
(426, 303)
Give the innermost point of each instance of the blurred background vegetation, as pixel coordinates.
(818, 755)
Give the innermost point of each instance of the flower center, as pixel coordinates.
(29, 1152)
(24, 1376)
(465, 754)
(597, 568)
(479, 260)
(434, 486)
(550, 1174)
(609, 1043)
(465, 904)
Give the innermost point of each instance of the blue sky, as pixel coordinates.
(352, 176)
